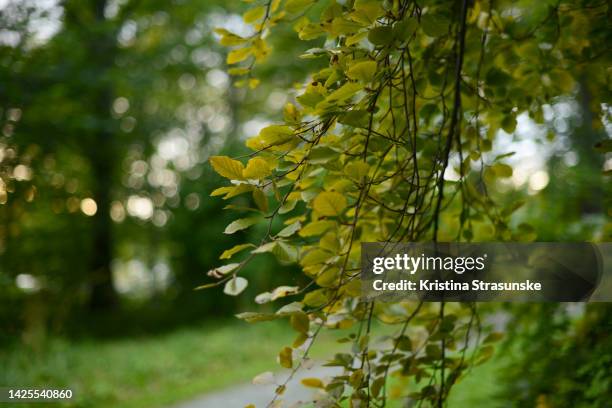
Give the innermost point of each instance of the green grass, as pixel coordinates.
(161, 370)
(151, 371)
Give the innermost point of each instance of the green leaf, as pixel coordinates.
(346, 91)
(404, 343)
(297, 6)
(226, 167)
(381, 35)
(287, 207)
(321, 155)
(328, 277)
(285, 253)
(235, 286)
(330, 203)
(604, 146)
(404, 29)
(508, 123)
(289, 230)
(502, 170)
(362, 71)
(434, 25)
(240, 224)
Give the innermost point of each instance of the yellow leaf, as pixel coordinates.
(257, 168)
(330, 203)
(228, 168)
(315, 298)
(357, 170)
(229, 39)
(254, 14)
(316, 228)
(285, 357)
(236, 56)
(227, 254)
(312, 383)
(300, 322)
(260, 199)
(221, 191)
(253, 83)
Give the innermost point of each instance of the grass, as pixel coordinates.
(162, 370)
(151, 371)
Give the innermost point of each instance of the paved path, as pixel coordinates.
(260, 395)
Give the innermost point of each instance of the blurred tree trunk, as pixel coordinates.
(103, 49)
(99, 42)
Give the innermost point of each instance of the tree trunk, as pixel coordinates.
(99, 39)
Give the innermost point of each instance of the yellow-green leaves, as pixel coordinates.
(254, 14)
(270, 137)
(367, 11)
(228, 168)
(312, 383)
(228, 38)
(346, 91)
(330, 203)
(240, 224)
(362, 71)
(239, 55)
(300, 322)
(316, 298)
(285, 357)
(297, 6)
(434, 25)
(382, 35)
(316, 228)
(403, 30)
(257, 168)
(228, 253)
(357, 170)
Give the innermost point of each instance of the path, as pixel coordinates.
(260, 395)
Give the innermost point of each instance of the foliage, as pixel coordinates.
(578, 350)
(89, 114)
(392, 141)
(123, 373)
